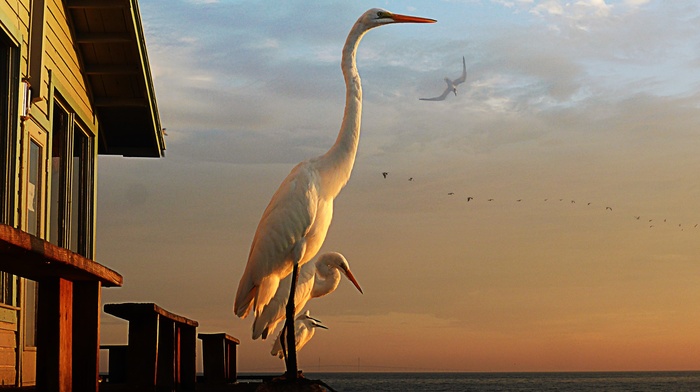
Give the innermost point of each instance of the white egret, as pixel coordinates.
(295, 222)
(451, 84)
(315, 280)
(304, 329)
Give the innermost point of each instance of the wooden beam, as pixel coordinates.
(102, 38)
(120, 102)
(96, 4)
(121, 69)
(30, 257)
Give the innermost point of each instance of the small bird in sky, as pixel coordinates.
(608, 208)
(385, 174)
(304, 329)
(410, 179)
(450, 193)
(470, 198)
(451, 84)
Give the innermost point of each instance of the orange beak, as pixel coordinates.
(398, 18)
(353, 280)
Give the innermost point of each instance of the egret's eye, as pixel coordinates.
(382, 14)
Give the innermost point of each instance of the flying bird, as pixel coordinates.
(304, 329)
(451, 84)
(295, 223)
(315, 280)
(470, 198)
(385, 174)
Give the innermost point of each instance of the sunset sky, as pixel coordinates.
(578, 118)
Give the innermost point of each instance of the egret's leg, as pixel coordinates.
(289, 325)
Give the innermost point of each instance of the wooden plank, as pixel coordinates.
(31, 257)
(8, 339)
(134, 311)
(8, 356)
(8, 375)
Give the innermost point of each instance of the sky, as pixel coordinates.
(578, 119)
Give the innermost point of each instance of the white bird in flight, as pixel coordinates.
(315, 280)
(304, 329)
(295, 222)
(451, 84)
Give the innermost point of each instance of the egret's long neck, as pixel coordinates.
(326, 280)
(336, 165)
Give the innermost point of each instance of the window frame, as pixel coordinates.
(62, 231)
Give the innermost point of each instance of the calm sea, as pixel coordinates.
(504, 382)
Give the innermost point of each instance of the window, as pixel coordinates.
(30, 312)
(71, 220)
(9, 82)
(34, 188)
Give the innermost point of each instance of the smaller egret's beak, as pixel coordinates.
(317, 323)
(398, 18)
(353, 280)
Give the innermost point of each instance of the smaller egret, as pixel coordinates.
(304, 329)
(451, 84)
(314, 280)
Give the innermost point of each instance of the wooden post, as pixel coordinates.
(219, 358)
(117, 362)
(143, 350)
(162, 345)
(55, 335)
(165, 371)
(86, 335)
(187, 356)
(213, 358)
(231, 361)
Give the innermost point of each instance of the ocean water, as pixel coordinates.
(506, 382)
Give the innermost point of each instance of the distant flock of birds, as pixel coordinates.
(651, 221)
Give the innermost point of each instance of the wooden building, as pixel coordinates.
(75, 82)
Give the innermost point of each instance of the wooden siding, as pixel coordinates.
(8, 353)
(62, 60)
(15, 18)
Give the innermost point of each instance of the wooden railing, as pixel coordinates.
(161, 349)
